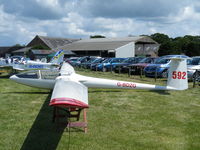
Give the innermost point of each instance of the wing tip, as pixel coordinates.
(68, 102)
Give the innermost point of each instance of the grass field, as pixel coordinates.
(117, 119)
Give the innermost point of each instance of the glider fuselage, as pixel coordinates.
(42, 80)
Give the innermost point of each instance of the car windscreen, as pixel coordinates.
(91, 60)
(194, 61)
(162, 61)
(117, 60)
(106, 60)
(97, 60)
(129, 60)
(146, 60)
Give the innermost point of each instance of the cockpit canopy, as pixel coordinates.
(39, 74)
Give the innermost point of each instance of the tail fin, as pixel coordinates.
(58, 57)
(177, 75)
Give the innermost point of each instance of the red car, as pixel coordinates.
(139, 67)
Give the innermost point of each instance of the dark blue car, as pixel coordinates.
(109, 64)
(80, 60)
(160, 67)
(87, 64)
(121, 67)
(96, 62)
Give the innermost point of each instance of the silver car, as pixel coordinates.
(192, 66)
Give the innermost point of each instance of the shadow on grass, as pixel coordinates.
(26, 93)
(161, 92)
(106, 91)
(43, 134)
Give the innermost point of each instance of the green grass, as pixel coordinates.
(117, 119)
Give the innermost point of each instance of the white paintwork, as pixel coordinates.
(34, 65)
(178, 65)
(193, 67)
(65, 87)
(125, 51)
(40, 83)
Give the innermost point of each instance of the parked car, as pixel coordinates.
(87, 64)
(96, 62)
(109, 64)
(139, 67)
(122, 67)
(193, 65)
(160, 67)
(72, 60)
(81, 60)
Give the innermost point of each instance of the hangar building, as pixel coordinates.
(114, 47)
(104, 47)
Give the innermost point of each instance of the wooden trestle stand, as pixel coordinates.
(71, 116)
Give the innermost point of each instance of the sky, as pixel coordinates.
(22, 20)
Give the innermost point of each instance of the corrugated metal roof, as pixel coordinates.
(105, 43)
(52, 42)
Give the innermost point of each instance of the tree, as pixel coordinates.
(189, 45)
(160, 38)
(165, 48)
(97, 36)
(193, 49)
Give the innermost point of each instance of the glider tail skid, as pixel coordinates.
(58, 58)
(177, 79)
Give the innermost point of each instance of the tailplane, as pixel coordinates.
(177, 75)
(58, 57)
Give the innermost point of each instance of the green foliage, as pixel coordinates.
(189, 45)
(193, 49)
(97, 36)
(160, 38)
(19, 45)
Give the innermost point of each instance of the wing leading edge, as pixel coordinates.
(67, 93)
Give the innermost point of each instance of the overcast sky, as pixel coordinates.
(21, 20)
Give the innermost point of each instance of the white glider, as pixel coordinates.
(36, 65)
(71, 90)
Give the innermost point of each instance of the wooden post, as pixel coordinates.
(129, 71)
(85, 119)
(156, 74)
(141, 72)
(194, 79)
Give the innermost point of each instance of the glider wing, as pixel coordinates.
(67, 93)
(66, 69)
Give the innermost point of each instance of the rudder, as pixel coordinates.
(177, 75)
(58, 57)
